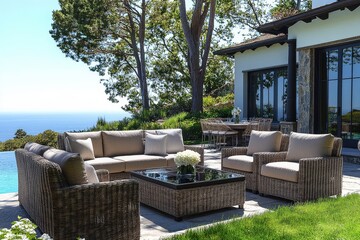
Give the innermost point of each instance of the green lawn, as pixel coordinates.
(326, 219)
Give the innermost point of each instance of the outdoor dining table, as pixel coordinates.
(239, 127)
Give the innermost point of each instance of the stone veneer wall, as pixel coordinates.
(306, 91)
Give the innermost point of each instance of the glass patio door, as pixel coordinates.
(340, 78)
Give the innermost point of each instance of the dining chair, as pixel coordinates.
(221, 132)
(253, 125)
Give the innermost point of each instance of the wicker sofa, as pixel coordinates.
(123, 151)
(245, 160)
(64, 204)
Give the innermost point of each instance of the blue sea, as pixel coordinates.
(35, 123)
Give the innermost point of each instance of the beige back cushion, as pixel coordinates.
(82, 146)
(36, 148)
(118, 143)
(71, 164)
(304, 145)
(96, 140)
(155, 144)
(264, 141)
(174, 142)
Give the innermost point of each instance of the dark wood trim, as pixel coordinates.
(230, 51)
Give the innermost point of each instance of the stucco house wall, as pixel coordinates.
(250, 60)
(341, 26)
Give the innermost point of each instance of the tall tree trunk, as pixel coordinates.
(197, 63)
(139, 54)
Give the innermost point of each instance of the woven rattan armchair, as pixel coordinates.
(316, 177)
(251, 176)
(104, 210)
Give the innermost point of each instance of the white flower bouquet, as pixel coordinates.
(187, 157)
(236, 114)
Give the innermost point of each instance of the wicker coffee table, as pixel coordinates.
(184, 195)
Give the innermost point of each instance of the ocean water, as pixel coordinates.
(35, 123)
(8, 173)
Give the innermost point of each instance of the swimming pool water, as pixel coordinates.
(8, 173)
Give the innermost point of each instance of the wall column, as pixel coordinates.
(291, 87)
(306, 91)
(290, 124)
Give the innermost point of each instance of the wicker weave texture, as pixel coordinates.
(185, 202)
(105, 210)
(252, 178)
(317, 178)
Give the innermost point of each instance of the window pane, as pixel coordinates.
(281, 110)
(355, 127)
(347, 63)
(356, 62)
(332, 61)
(258, 95)
(268, 95)
(332, 107)
(346, 109)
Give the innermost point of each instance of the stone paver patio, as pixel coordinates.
(156, 225)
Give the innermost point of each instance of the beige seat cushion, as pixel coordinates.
(36, 148)
(264, 141)
(91, 173)
(112, 165)
(170, 160)
(138, 162)
(303, 145)
(71, 164)
(82, 146)
(96, 140)
(155, 144)
(239, 162)
(287, 171)
(123, 142)
(174, 140)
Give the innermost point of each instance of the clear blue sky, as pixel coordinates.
(35, 76)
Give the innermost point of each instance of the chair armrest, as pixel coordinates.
(268, 157)
(321, 176)
(97, 211)
(103, 175)
(199, 150)
(227, 152)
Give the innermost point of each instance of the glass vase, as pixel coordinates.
(186, 169)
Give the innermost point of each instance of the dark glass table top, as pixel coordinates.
(203, 177)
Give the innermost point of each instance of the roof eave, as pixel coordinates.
(230, 51)
(282, 25)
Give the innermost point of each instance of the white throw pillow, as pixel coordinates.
(305, 145)
(155, 144)
(82, 146)
(175, 141)
(91, 173)
(264, 141)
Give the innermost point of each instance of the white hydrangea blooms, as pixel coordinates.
(22, 229)
(187, 157)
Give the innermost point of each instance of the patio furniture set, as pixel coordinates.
(216, 131)
(69, 194)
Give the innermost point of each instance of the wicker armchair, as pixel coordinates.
(251, 175)
(104, 210)
(317, 177)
